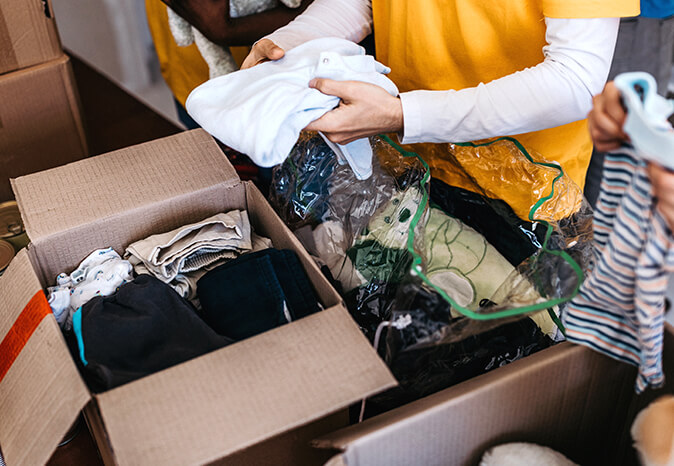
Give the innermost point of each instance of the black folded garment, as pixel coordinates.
(256, 292)
(143, 328)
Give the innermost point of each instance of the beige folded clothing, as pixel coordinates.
(192, 247)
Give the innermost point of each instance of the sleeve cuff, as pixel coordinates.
(412, 118)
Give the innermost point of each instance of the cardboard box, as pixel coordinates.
(567, 397)
(40, 121)
(237, 402)
(28, 34)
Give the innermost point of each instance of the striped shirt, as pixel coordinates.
(619, 310)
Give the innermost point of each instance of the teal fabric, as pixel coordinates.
(77, 330)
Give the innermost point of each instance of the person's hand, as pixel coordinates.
(365, 110)
(606, 119)
(264, 50)
(662, 181)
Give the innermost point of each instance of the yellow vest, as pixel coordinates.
(183, 68)
(454, 44)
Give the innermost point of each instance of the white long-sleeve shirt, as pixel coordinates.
(555, 92)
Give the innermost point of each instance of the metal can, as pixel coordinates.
(11, 225)
(6, 254)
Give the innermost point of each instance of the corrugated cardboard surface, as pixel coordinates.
(243, 394)
(28, 34)
(566, 397)
(40, 121)
(126, 195)
(63, 198)
(291, 448)
(42, 393)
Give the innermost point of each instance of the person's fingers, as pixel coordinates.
(613, 106)
(667, 212)
(608, 146)
(274, 52)
(603, 127)
(662, 180)
(316, 125)
(341, 89)
(327, 123)
(330, 125)
(262, 51)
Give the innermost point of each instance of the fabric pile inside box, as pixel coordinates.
(196, 289)
(450, 276)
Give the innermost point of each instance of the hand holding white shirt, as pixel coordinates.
(557, 91)
(260, 111)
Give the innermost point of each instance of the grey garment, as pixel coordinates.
(185, 284)
(644, 44)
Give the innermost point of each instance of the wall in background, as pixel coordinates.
(113, 37)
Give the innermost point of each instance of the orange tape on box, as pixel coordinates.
(23, 328)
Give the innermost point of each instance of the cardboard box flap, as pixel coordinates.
(101, 187)
(245, 393)
(41, 392)
(535, 399)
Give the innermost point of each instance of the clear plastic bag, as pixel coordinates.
(499, 238)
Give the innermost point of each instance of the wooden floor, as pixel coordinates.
(113, 119)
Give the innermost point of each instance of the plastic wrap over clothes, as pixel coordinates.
(429, 256)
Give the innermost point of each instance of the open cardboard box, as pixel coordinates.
(28, 34)
(235, 404)
(259, 401)
(567, 397)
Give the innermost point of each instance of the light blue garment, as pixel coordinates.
(260, 111)
(646, 123)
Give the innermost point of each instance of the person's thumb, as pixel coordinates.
(262, 51)
(274, 52)
(331, 87)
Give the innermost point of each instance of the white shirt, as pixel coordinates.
(555, 92)
(261, 111)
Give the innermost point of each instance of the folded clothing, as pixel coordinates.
(185, 284)
(256, 292)
(192, 247)
(143, 328)
(100, 274)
